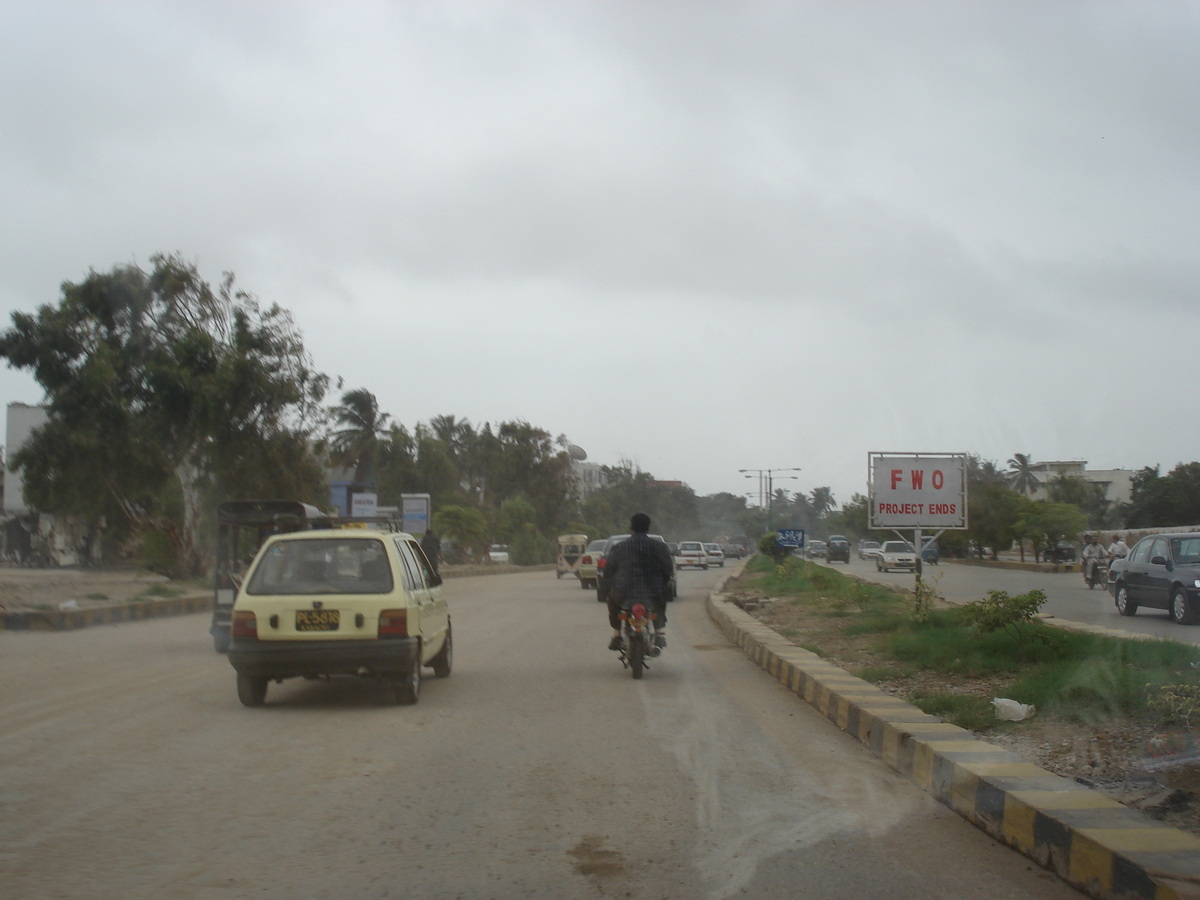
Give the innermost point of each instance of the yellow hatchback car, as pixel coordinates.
(344, 602)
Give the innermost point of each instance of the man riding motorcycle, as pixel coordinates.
(1092, 554)
(638, 569)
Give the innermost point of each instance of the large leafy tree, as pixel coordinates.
(1165, 501)
(162, 394)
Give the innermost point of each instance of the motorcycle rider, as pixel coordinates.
(1092, 554)
(638, 569)
(1118, 549)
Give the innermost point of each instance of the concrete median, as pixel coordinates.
(1088, 839)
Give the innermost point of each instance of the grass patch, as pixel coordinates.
(162, 590)
(970, 712)
(1086, 678)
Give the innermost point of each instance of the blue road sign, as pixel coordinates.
(790, 537)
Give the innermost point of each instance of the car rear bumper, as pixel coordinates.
(288, 659)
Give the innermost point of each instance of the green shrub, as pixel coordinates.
(768, 547)
(529, 548)
(999, 611)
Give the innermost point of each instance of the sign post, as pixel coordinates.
(414, 513)
(790, 537)
(918, 491)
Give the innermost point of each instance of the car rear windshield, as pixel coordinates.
(690, 545)
(1186, 550)
(714, 547)
(332, 566)
(595, 546)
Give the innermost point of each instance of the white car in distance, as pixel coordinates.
(691, 553)
(716, 556)
(896, 555)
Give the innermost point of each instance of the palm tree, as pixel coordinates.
(362, 434)
(822, 501)
(1020, 474)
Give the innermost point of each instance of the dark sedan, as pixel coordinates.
(1161, 572)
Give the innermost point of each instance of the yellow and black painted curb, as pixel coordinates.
(70, 619)
(1091, 841)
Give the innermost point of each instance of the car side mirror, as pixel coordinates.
(1158, 561)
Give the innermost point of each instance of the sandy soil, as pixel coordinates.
(48, 589)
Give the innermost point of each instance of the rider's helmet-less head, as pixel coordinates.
(640, 523)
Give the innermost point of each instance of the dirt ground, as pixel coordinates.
(50, 589)
(1112, 758)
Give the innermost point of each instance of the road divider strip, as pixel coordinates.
(1089, 840)
(158, 608)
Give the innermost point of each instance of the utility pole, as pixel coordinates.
(766, 479)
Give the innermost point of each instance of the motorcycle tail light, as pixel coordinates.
(244, 624)
(601, 561)
(639, 611)
(393, 623)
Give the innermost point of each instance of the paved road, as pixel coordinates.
(539, 769)
(1067, 595)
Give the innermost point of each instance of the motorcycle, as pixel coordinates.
(637, 638)
(1098, 574)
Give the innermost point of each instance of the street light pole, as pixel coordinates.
(766, 478)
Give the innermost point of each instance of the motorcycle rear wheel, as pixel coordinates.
(637, 649)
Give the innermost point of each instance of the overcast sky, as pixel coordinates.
(700, 236)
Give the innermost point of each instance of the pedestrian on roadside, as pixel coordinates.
(432, 548)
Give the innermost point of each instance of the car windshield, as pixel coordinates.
(332, 566)
(836, 539)
(713, 547)
(1186, 550)
(595, 546)
(870, 544)
(896, 547)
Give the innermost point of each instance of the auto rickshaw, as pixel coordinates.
(570, 551)
(242, 526)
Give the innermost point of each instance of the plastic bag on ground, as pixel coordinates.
(1011, 710)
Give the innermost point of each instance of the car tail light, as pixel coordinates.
(587, 560)
(244, 624)
(393, 623)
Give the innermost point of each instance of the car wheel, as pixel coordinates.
(1125, 606)
(445, 658)
(252, 690)
(1181, 610)
(221, 640)
(407, 688)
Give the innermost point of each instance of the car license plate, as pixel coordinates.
(317, 620)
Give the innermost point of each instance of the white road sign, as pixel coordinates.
(918, 490)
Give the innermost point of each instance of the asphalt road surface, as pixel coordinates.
(538, 769)
(1067, 596)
